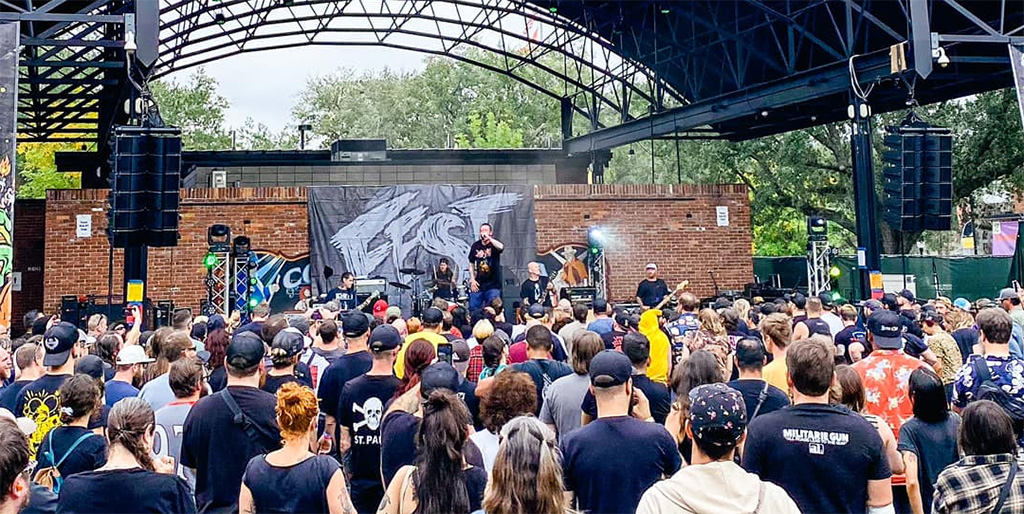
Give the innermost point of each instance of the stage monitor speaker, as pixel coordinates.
(585, 295)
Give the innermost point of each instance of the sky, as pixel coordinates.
(282, 74)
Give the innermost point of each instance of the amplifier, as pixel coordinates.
(575, 295)
(366, 286)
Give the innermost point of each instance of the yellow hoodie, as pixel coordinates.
(658, 369)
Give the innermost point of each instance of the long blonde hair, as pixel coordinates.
(527, 473)
(742, 307)
(955, 320)
(711, 322)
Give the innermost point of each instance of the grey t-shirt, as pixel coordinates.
(170, 422)
(562, 402)
(157, 392)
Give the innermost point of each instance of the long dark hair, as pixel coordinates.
(79, 396)
(419, 355)
(217, 340)
(439, 479)
(928, 396)
(129, 420)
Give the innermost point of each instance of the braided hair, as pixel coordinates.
(130, 419)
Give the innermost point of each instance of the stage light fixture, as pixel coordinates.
(241, 246)
(220, 19)
(552, 9)
(834, 272)
(817, 228)
(210, 260)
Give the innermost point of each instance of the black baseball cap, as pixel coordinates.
(460, 350)
(622, 319)
(931, 315)
(718, 415)
(826, 299)
(90, 365)
(610, 368)
(288, 343)
(722, 303)
(908, 295)
(600, 305)
(536, 311)
(439, 375)
(245, 350)
(799, 300)
(887, 329)
(58, 342)
(384, 338)
(354, 324)
(433, 316)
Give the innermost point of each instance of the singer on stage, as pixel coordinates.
(484, 269)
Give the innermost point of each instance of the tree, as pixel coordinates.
(37, 170)
(488, 132)
(197, 108)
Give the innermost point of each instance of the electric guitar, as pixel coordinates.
(682, 285)
(366, 303)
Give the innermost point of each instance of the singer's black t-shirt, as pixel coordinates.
(486, 260)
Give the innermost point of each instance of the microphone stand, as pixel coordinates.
(714, 282)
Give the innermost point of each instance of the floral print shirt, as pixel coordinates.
(886, 377)
(1007, 373)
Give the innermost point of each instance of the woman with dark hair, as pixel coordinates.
(702, 367)
(419, 355)
(72, 448)
(460, 320)
(440, 482)
(444, 278)
(131, 481)
(293, 478)
(495, 357)
(106, 348)
(527, 474)
(849, 392)
(217, 340)
(928, 440)
(975, 484)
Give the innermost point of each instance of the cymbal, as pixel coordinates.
(429, 283)
(399, 285)
(411, 271)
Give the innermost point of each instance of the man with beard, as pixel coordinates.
(130, 363)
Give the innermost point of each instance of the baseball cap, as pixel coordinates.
(622, 319)
(889, 301)
(874, 305)
(962, 304)
(90, 365)
(393, 311)
(39, 325)
(722, 303)
(245, 350)
(380, 307)
(653, 266)
(826, 300)
(1007, 293)
(799, 300)
(610, 368)
(718, 415)
(600, 305)
(460, 350)
(983, 303)
(384, 338)
(299, 322)
(887, 329)
(931, 315)
(354, 324)
(439, 375)
(288, 343)
(132, 354)
(536, 311)
(433, 316)
(908, 295)
(58, 342)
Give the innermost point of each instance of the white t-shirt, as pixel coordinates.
(488, 443)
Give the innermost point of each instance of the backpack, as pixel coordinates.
(49, 476)
(989, 390)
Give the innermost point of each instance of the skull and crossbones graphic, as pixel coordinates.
(372, 410)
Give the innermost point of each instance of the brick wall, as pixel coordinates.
(275, 218)
(29, 254)
(674, 226)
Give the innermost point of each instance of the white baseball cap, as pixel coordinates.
(653, 266)
(132, 354)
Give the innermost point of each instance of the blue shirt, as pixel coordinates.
(117, 390)
(1007, 373)
(601, 326)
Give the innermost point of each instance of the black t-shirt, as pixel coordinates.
(127, 491)
(9, 394)
(90, 454)
(846, 337)
(609, 463)
(535, 290)
(651, 292)
(965, 338)
(543, 372)
(613, 340)
(486, 260)
(218, 379)
(822, 455)
(817, 326)
(298, 488)
(39, 401)
(467, 393)
(360, 411)
(346, 298)
(752, 389)
(935, 445)
(657, 396)
(398, 445)
(335, 377)
(274, 382)
(476, 482)
(219, 449)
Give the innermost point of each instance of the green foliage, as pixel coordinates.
(489, 133)
(37, 171)
(197, 108)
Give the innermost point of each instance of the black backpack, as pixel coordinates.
(989, 390)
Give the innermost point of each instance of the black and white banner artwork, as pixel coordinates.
(377, 230)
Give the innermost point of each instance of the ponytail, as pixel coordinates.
(129, 421)
(439, 480)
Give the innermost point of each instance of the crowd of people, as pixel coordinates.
(744, 406)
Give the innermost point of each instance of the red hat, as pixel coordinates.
(379, 308)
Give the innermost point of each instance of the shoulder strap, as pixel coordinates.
(761, 397)
(74, 445)
(980, 366)
(1004, 492)
(241, 419)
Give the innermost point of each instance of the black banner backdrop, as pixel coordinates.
(376, 230)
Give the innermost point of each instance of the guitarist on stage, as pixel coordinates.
(345, 293)
(651, 290)
(536, 288)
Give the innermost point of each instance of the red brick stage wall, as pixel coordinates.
(674, 226)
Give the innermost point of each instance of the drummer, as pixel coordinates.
(444, 280)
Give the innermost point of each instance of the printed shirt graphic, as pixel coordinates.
(1007, 373)
(361, 411)
(486, 260)
(886, 375)
(40, 402)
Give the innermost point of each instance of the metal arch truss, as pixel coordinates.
(819, 262)
(522, 39)
(218, 289)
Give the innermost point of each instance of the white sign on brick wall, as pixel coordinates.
(83, 225)
(722, 215)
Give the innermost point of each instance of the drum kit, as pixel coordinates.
(422, 291)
